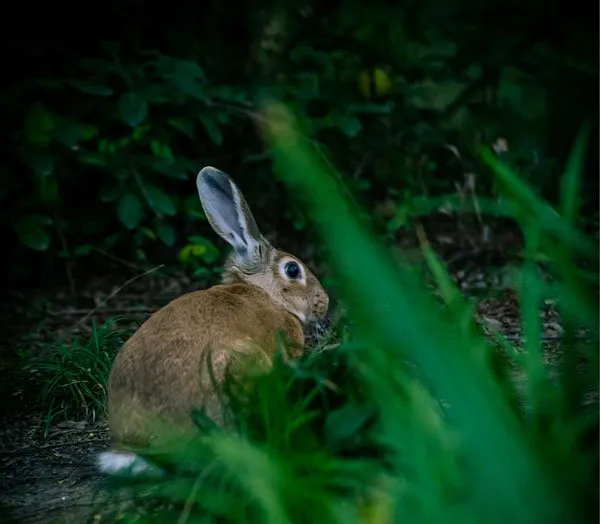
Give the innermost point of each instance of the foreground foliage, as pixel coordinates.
(412, 419)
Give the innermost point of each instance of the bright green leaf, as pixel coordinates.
(129, 210)
(133, 109)
(203, 248)
(190, 252)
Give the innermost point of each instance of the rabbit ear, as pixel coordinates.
(227, 212)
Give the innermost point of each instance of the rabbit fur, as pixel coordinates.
(158, 374)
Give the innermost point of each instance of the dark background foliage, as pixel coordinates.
(110, 109)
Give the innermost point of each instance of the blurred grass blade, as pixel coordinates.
(395, 313)
(449, 292)
(531, 208)
(530, 298)
(571, 180)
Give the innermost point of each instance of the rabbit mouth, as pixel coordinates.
(316, 330)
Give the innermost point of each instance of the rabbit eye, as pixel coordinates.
(292, 270)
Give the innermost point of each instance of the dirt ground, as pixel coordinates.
(53, 478)
(50, 479)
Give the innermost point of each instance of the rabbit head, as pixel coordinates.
(253, 260)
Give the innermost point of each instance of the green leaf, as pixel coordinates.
(88, 131)
(91, 89)
(185, 125)
(571, 180)
(41, 162)
(189, 69)
(212, 129)
(166, 233)
(47, 190)
(36, 219)
(203, 248)
(30, 230)
(39, 124)
(172, 169)
(185, 77)
(191, 251)
(129, 210)
(70, 133)
(92, 158)
(35, 238)
(434, 95)
(133, 109)
(82, 250)
(350, 125)
(192, 207)
(161, 150)
(158, 200)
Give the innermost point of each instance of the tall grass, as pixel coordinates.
(70, 378)
(411, 419)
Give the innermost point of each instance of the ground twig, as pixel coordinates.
(113, 294)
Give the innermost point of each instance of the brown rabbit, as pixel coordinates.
(157, 374)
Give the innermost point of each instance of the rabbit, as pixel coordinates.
(157, 373)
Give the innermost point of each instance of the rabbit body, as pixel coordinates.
(165, 376)
(162, 373)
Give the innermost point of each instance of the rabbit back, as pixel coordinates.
(161, 371)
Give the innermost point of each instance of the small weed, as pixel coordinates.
(71, 377)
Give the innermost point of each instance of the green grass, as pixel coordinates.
(70, 378)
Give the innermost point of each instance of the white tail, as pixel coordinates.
(126, 464)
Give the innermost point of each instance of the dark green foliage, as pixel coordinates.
(105, 133)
